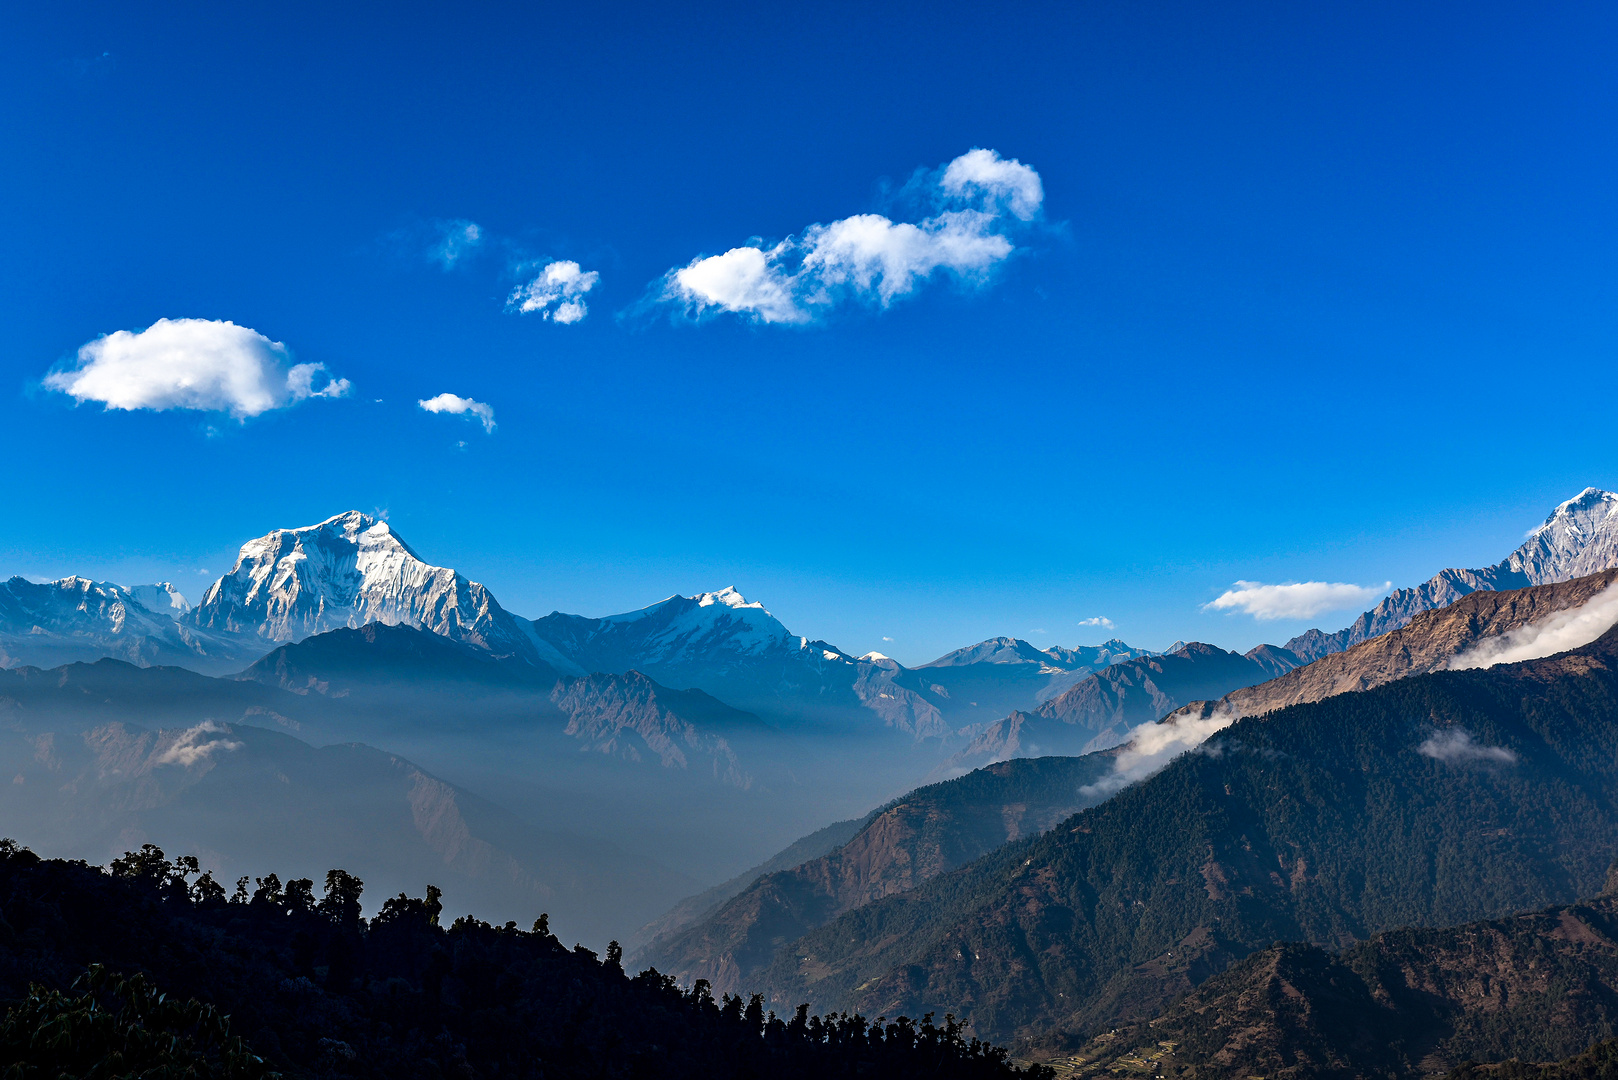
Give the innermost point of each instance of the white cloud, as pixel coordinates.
(1100, 620)
(456, 240)
(1455, 747)
(1297, 600)
(868, 257)
(192, 364)
(557, 292)
(985, 174)
(460, 406)
(1153, 745)
(192, 745)
(1558, 633)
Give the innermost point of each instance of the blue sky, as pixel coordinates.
(1314, 293)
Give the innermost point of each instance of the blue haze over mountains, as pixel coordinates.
(599, 768)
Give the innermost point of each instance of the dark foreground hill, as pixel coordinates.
(317, 991)
(1536, 987)
(1426, 802)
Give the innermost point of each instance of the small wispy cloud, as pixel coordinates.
(1154, 744)
(203, 364)
(887, 639)
(460, 406)
(455, 241)
(977, 199)
(194, 745)
(1295, 600)
(557, 292)
(1560, 632)
(1100, 620)
(1457, 747)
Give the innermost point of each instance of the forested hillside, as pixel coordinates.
(1536, 987)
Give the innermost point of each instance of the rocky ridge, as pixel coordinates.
(1431, 641)
(1579, 538)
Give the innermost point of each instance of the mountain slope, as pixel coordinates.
(1099, 711)
(633, 717)
(1428, 801)
(693, 908)
(1579, 538)
(929, 831)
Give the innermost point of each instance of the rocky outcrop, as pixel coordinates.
(632, 717)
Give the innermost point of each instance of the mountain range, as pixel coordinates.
(1071, 871)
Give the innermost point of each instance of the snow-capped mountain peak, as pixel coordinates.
(162, 597)
(1579, 537)
(728, 596)
(347, 571)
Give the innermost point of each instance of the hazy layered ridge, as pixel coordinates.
(923, 834)
(85, 780)
(694, 908)
(1428, 801)
(1579, 538)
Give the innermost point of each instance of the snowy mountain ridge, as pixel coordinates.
(75, 618)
